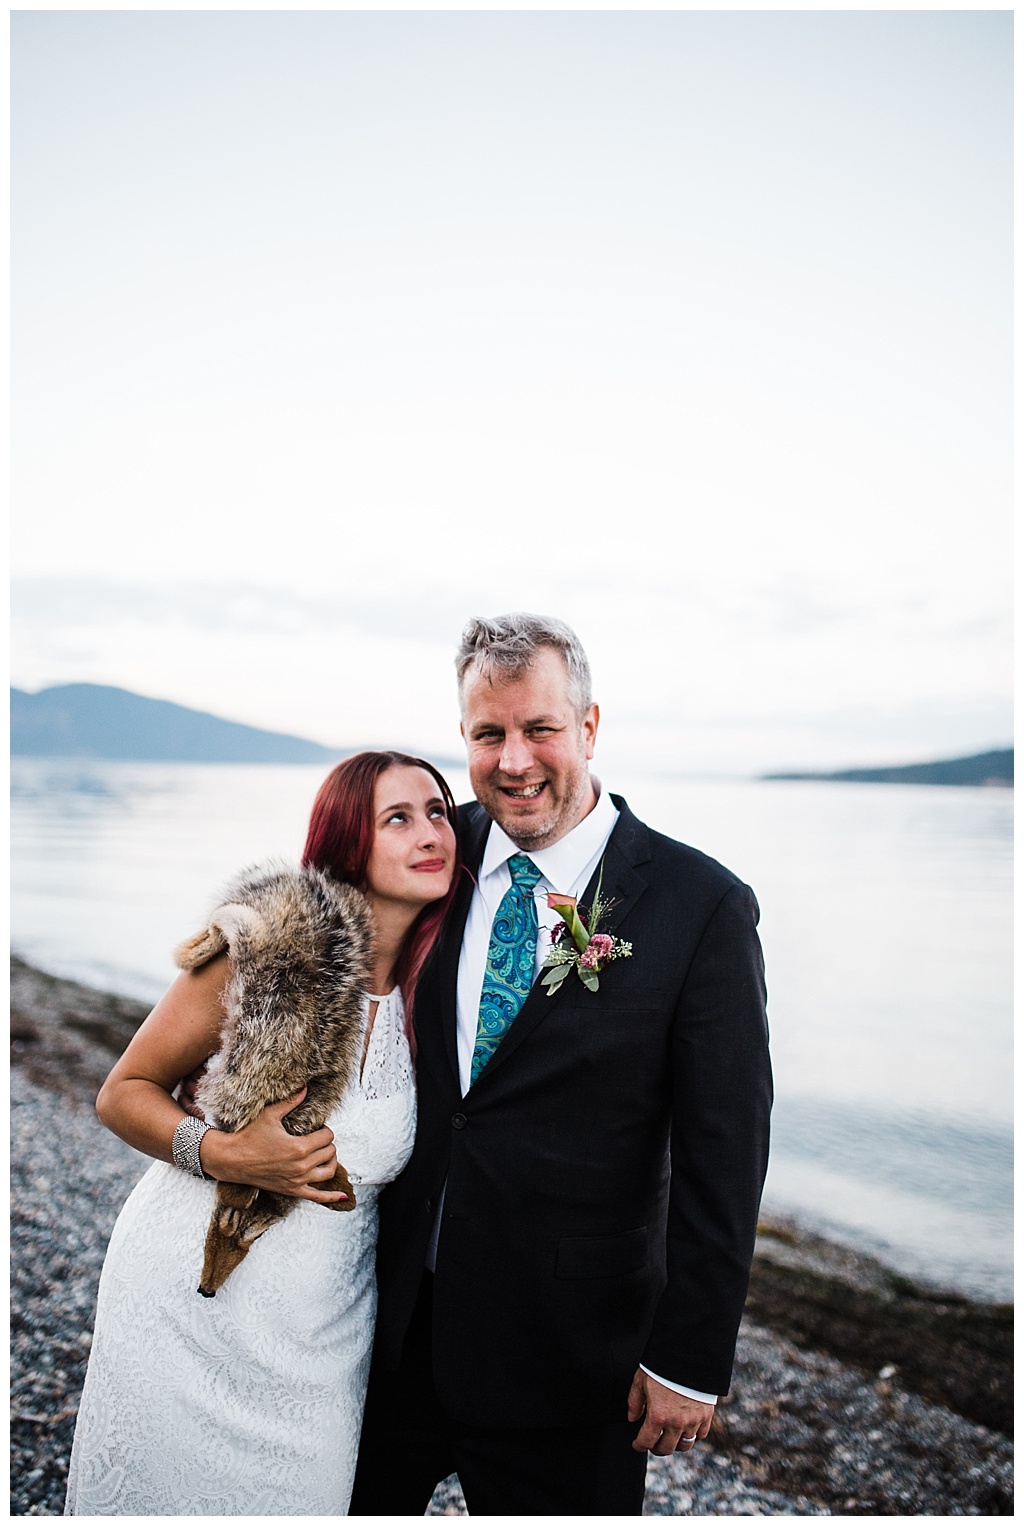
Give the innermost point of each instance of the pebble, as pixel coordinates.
(800, 1433)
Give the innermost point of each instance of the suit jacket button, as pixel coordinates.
(459, 1120)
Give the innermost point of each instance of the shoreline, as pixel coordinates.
(835, 1348)
(949, 1348)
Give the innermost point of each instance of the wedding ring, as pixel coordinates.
(687, 1438)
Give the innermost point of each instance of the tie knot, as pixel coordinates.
(524, 872)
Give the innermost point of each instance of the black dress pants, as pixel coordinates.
(410, 1443)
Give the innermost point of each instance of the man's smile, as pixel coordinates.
(523, 791)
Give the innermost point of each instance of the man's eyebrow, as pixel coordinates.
(534, 721)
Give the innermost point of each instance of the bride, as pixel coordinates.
(249, 1400)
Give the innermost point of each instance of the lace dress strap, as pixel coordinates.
(387, 1067)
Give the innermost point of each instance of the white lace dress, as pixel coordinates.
(249, 1403)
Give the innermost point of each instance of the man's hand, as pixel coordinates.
(264, 1154)
(672, 1422)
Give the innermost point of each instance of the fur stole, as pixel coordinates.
(299, 944)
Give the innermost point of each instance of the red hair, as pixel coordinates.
(340, 838)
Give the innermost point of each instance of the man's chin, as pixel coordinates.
(526, 827)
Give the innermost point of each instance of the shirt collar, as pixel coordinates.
(564, 861)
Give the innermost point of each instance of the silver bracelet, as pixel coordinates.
(185, 1145)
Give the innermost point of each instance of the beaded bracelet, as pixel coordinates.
(185, 1146)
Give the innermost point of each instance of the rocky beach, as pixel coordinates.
(856, 1390)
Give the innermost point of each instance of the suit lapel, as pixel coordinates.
(474, 825)
(624, 885)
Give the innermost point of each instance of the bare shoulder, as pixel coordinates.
(183, 1028)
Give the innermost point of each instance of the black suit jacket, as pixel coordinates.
(605, 1170)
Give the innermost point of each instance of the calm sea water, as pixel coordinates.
(886, 922)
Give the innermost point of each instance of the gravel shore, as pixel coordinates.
(803, 1432)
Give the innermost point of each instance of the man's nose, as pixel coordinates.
(516, 755)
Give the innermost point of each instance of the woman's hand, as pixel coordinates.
(264, 1154)
(186, 1092)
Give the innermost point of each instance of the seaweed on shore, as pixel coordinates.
(945, 1347)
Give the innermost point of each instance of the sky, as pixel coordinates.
(332, 329)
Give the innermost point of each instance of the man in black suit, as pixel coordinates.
(563, 1264)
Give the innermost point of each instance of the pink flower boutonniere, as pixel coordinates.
(584, 950)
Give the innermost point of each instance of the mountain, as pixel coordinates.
(981, 768)
(97, 721)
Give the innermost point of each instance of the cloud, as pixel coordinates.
(41, 603)
(786, 672)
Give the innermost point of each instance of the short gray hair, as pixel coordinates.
(508, 644)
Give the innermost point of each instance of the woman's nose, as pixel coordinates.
(429, 834)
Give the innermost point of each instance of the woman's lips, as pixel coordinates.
(429, 866)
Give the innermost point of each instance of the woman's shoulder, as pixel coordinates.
(279, 908)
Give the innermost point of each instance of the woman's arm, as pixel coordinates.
(181, 1032)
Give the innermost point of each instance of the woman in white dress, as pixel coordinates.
(250, 1402)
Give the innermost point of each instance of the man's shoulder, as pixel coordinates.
(667, 856)
(636, 840)
(474, 824)
(472, 818)
(696, 862)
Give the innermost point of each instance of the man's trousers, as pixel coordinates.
(410, 1443)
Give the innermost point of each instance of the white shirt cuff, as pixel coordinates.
(680, 1388)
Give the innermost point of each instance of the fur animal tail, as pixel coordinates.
(236, 1222)
(241, 1214)
(339, 1182)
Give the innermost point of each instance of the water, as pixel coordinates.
(886, 922)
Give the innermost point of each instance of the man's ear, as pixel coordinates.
(462, 731)
(590, 724)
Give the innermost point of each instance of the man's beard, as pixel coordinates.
(544, 833)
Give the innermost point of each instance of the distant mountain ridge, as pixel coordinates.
(981, 768)
(100, 721)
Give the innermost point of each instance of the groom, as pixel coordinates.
(562, 1265)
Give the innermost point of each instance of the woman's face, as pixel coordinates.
(413, 853)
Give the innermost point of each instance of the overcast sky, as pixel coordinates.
(331, 329)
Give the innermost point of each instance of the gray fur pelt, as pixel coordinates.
(300, 945)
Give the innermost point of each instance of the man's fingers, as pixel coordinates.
(668, 1441)
(672, 1421)
(647, 1436)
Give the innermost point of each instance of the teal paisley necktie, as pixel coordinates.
(511, 959)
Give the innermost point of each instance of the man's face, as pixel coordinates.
(528, 750)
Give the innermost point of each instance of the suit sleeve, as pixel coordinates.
(721, 1095)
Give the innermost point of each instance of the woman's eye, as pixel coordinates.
(437, 812)
(397, 816)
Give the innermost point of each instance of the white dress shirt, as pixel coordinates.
(567, 866)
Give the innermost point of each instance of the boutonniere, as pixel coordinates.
(576, 943)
